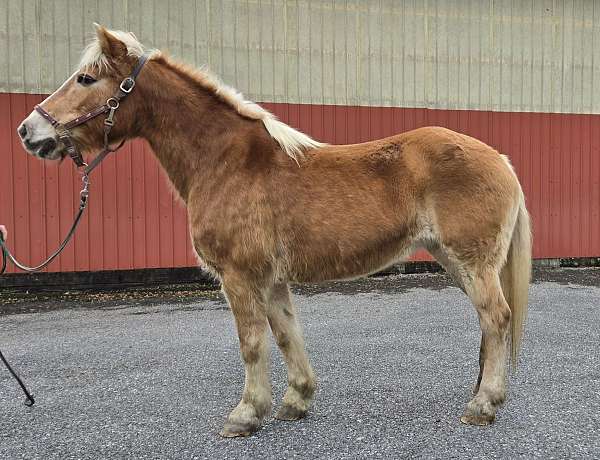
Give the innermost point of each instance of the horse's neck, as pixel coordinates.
(190, 132)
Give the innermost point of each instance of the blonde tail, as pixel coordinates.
(515, 276)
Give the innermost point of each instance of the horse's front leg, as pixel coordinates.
(288, 335)
(248, 306)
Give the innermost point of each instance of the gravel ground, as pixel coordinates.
(153, 373)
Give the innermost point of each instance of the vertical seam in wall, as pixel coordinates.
(273, 52)
(573, 67)
(209, 35)
(333, 96)
(260, 53)
(392, 66)
(511, 59)
(38, 43)
(447, 104)
(285, 52)
(369, 59)
(222, 53)
(310, 91)
(425, 95)
(492, 57)
(346, 56)
(322, 31)
(523, 106)
(235, 45)
(8, 48)
(358, 51)
(562, 70)
(593, 48)
(22, 31)
(531, 98)
(322, 51)
(380, 22)
(402, 97)
(196, 58)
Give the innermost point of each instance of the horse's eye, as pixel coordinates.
(85, 79)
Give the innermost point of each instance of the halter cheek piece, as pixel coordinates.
(112, 104)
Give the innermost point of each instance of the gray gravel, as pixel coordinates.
(395, 358)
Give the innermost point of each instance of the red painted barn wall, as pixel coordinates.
(134, 221)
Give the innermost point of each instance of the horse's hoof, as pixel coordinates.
(290, 413)
(237, 430)
(479, 420)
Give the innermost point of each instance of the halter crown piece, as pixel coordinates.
(64, 133)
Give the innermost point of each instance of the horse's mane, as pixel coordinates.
(292, 142)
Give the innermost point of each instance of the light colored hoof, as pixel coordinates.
(238, 430)
(478, 420)
(290, 413)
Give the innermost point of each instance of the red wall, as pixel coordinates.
(133, 221)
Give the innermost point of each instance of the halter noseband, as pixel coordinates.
(112, 104)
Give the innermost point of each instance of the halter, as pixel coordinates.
(112, 104)
(64, 133)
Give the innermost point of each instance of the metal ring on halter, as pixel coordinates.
(114, 101)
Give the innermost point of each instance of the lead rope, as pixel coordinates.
(83, 202)
(29, 401)
(6, 255)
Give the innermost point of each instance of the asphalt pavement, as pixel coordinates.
(153, 374)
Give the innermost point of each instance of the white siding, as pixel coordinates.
(501, 55)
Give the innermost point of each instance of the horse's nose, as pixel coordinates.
(22, 130)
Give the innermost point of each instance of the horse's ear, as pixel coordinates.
(110, 45)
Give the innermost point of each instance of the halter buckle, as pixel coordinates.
(127, 85)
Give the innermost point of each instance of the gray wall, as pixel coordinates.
(521, 55)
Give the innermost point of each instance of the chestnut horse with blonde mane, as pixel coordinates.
(269, 206)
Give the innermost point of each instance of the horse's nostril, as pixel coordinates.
(22, 131)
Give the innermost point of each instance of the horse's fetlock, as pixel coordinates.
(283, 341)
(305, 387)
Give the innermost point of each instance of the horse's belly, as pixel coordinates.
(343, 262)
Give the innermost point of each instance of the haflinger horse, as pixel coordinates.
(268, 207)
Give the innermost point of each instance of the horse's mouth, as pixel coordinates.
(46, 149)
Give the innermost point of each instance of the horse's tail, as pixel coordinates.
(515, 276)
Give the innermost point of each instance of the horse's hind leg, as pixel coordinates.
(288, 335)
(484, 290)
(452, 269)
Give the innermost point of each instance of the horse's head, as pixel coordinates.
(109, 59)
